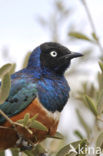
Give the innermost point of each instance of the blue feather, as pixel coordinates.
(33, 81)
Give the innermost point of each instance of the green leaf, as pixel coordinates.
(26, 118)
(80, 36)
(29, 153)
(94, 36)
(15, 151)
(39, 150)
(83, 123)
(100, 102)
(57, 136)
(7, 68)
(32, 123)
(34, 117)
(101, 66)
(5, 88)
(21, 121)
(100, 80)
(26, 59)
(78, 134)
(2, 153)
(99, 142)
(12, 70)
(38, 125)
(91, 105)
(67, 150)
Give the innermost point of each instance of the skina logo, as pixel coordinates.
(72, 149)
(85, 150)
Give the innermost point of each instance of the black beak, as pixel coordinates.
(73, 55)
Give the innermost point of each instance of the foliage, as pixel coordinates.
(5, 73)
(28, 123)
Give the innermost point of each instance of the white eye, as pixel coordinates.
(53, 53)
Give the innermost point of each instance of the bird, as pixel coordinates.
(40, 88)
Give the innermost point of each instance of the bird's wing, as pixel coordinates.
(22, 93)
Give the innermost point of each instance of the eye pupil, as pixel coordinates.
(53, 53)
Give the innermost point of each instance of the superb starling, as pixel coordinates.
(40, 88)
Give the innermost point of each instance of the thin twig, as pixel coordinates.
(6, 117)
(14, 124)
(92, 24)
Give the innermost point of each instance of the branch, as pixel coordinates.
(14, 124)
(6, 117)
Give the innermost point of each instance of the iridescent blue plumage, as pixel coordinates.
(39, 81)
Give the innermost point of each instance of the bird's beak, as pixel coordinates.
(73, 55)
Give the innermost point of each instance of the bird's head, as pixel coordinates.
(52, 56)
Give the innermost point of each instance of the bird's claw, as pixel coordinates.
(23, 144)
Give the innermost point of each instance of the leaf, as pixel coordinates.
(39, 151)
(83, 123)
(21, 121)
(26, 59)
(101, 66)
(91, 105)
(57, 136)
(72, 148)
(34, 117)
(15, 151)
(5, 73)
(29, 153)
(5, 88)
(78, 134)
(12, 70)
(28, 122)
(7, 68)
(94, 36)
(26, 118)
(100, 80)
(65, 150)
(38, 125)
(2, 153)
(80, 36)
(100, 102)
(99, 142)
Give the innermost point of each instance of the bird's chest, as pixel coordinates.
(53, 94)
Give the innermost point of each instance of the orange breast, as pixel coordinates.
(44, 117)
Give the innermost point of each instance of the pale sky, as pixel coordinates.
(20, 32)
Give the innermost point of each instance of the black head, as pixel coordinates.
(56, 57)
